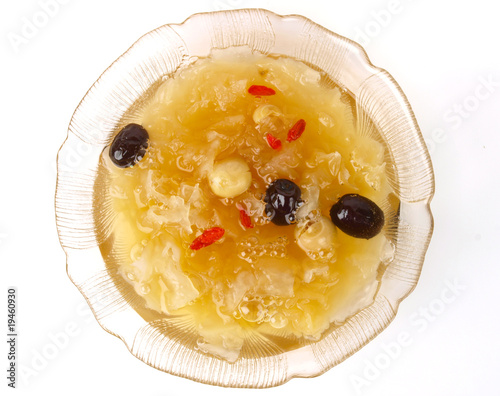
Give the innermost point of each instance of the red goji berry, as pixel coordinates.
(261, 90)
(273, 142)
(245, 219)
(208, 237)
(295, 131)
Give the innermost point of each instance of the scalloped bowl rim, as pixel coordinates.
(300, 358)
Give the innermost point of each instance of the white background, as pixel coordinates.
(444, 340)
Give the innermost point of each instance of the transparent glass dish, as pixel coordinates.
(158, 340)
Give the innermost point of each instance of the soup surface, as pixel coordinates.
(192, 219)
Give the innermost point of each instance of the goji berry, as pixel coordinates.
(273, 142)
(261, 90)
(245, 219)
(208, 237)
(295, 131)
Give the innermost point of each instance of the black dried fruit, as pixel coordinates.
(357, 216)
(129, 146)
(282, 200)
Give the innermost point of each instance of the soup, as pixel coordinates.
(245, 199)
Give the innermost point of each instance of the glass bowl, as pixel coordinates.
(160, 341)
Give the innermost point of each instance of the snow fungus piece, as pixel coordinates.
(316, 237)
